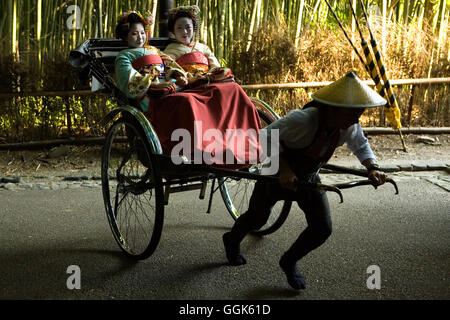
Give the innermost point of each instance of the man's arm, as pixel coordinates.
(377, 176)
(359, 145)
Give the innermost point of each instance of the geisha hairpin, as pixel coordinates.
(124, 17)
(193, 11)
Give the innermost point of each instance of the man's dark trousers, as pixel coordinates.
(313, 202)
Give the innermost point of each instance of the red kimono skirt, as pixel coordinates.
(217, 124)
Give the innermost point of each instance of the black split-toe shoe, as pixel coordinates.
(233, 251)
(294, 277)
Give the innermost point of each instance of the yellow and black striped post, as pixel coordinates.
(346, 35)
(393, 110)
(370, 61)
(395, 115)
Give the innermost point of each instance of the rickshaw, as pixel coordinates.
(137, 178)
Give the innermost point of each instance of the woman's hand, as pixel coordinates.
(219, 73)
(194, 78)
(163, 85)
(181, 81)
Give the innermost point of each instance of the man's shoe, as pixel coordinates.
(294, 277)
(232, 250)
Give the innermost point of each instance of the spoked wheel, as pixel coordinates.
(236, 193)
(132, 189)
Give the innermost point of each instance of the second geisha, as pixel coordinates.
(196, 58)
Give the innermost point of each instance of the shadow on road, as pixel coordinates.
(270, 293)
(41, 273)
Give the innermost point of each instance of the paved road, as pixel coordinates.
(407, 236)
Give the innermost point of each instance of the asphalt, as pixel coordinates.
(57, 225)
(50, 221)
(43, 232)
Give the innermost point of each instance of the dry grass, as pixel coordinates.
(324, 54)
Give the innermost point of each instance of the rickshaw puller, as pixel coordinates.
(307, 140)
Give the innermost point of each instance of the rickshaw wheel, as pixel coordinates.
(132, 189)
(236, 193)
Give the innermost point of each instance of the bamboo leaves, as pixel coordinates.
(40, 25)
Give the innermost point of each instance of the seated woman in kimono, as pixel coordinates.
(215, 118)
(196, 58)
(143, 68)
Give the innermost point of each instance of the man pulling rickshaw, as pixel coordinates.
(145, 175)
(307, 140)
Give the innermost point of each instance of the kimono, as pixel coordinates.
(136, 69)
(215, 124)
(194, 60)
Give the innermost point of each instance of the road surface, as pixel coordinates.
(401, 240)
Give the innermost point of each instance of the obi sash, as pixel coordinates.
(194, 57)
(144, 61)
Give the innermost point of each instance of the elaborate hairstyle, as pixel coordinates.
(129, 18)
(192, 12)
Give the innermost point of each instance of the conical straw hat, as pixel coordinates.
(349, 92)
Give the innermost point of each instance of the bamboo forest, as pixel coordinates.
(261, 41)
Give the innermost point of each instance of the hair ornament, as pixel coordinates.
(148, 20)
(193, 11)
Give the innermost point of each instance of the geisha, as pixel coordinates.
(143, 67)
(194, 57)
(217, 105)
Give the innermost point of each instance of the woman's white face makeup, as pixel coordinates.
(184, 30)
(136, 36)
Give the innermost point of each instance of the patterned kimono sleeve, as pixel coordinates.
(173, 52)
(171, 67)
(213, 62)
(129, 81)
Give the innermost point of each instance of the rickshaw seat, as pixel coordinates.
(96, 58)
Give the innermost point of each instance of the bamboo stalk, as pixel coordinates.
(447, 23)
(299, 22)
(316, 6)
(38, 31)
(211, 33)
(383, 28)
(441, 28)
(27, 24)
(220, 37)
(204, 26)
(266, 16)
(154, 8)
(3, 20)
(241, 19)
(421, 10)
(100, 18)
(105, 22)
(252, 24)
(14, 28)
(74, 30)
(230, 30)
(90, 6)
(45, 33)
(406, 12)
(238, 14)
